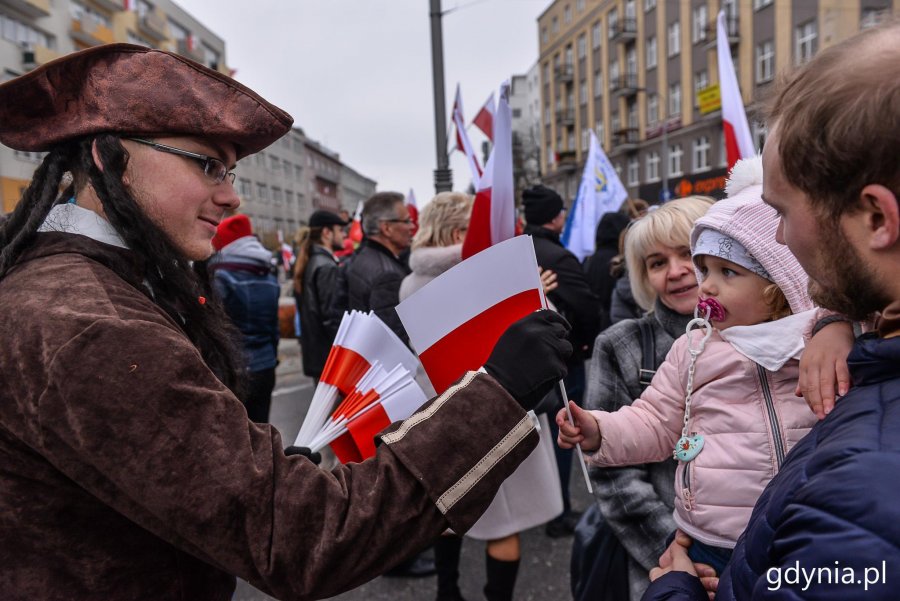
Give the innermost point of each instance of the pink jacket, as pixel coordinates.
(748, 416)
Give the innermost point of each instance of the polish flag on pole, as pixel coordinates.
(462, 139)
(484, 120)
(493, 217)
(413, 209)
(738, 141)
(362, 340)
(456, 319)
(356, 226)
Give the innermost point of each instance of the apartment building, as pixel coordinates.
(355, 188)
(525, 105)
(643, 74)
(279, 187)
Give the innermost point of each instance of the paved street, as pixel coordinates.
(543, 574)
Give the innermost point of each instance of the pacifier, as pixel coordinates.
(711, 306)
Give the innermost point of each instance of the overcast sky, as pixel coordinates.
(356, 74)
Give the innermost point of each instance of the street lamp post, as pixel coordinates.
(443, 176)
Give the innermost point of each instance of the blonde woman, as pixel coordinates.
(532, 495)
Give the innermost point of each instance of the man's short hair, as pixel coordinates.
(380, 207)
(838, 120)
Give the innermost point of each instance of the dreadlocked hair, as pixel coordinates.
(173, 284)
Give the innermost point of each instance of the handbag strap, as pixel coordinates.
(648, 354)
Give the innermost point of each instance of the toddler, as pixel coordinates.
(723, 402)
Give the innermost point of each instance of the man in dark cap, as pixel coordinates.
(128, 467)
(315, 281)
(545, 217)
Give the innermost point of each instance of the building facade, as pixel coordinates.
(525, 105)
(643, 75)
(355, 188)
(279, 187)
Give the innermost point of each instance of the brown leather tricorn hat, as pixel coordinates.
(128, 89)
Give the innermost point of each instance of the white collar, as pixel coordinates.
(71, 219)
(771, 343)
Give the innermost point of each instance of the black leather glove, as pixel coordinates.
(316, 458)
(530, 356)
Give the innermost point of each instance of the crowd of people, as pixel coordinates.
(730, 365)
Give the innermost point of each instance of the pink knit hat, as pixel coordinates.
(746, 218)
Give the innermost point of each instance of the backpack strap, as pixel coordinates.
(648, 354)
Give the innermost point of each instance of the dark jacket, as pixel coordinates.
(596, 267)
(129, 472)
(243, 281)
(622, 306)
(636, 501)
(832, 506)
(373, 284)
(318, 320)
(573, 297)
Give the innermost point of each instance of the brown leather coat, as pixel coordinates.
(127, 471)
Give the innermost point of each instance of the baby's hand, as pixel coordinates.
(823, 367)
(585, 431)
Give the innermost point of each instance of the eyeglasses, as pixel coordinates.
(407, 221)
(213, 168)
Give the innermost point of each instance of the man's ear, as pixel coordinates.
(95, 154)
(882, 216)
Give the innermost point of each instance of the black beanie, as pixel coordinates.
(541, 205)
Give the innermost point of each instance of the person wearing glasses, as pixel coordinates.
(374, 275)
(128, 466)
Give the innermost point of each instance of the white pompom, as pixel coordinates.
(745, 173)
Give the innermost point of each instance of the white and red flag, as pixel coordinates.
(287, 253)
(484, 120)
(356, 225)
(738, 141)
(456, 319)
(413, 209)
(493, 217)
(361, 341)
(462, 139)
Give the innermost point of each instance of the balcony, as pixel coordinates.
(89, 32)
(565, 117)
(566, 160)
(32, 9)
(36, 56)
(732, 26)
(625, 85)
(626, 140)
(153, 24)
(110, 6)
(624, 30)
(564, 74)
(189, 50)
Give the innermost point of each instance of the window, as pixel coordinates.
(554, 25)
(178, 31)
(634, 171)
(651, 52)
(723, 151)
(289, 198)
(765, 61)
(633, 115)
(674, 39)
(631, 62)
(675, 154)
(260, 159)
(598, 84)
(582, 46)
(544, 37)
(612, 20)
(546, 113)
(873, 16)
(585, 139)
(277, 196)
(567, 14)
(701, 154)
(27, 36)
(615, 124)
(652, 109)
(582, 92)
(598, 129)
(675, 100)
(517, 113)
(212, 60)
(274, 163)
(245, 187)
(614, 71)
(759, 131)
(579, 5)
(630, 11)
(596, 35)
(298, 172)
(805, 41)
(569, 60)
(649, 4)
(698, 29)
(262, 191)
(571, 140)
(701, 80)
(652, 171)
(758, 4)
(546, 73)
